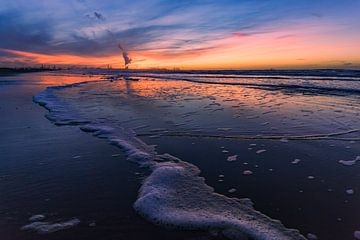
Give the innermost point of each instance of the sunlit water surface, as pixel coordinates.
(286, 148)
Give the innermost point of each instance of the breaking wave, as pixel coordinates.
(174, 194)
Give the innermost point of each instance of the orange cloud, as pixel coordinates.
(64, 59)
(284, 48)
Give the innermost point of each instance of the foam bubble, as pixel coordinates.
(59, 112)
(247, 172)
(296, 161)
(311, 236)
(92, 224)
(232, 158)
(175, 195)
(357, 234)
(350, 162)
(260, 151)
(232, 190)
(36, 217)
(350, 191)
(347, 163)
(47, 227)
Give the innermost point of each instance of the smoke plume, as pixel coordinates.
(127, 59)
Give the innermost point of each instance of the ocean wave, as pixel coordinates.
(173, 195)
(277, 85)
(49, 227)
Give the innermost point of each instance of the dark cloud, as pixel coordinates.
(18, 33)
(153, 32)
(11, 59)
(95, 16)
(99, 16)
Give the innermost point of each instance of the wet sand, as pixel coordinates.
(64, 173)
(303, 182)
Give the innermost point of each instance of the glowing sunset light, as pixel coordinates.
(187, 35)
(62, 59)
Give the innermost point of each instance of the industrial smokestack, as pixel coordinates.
(127, 59)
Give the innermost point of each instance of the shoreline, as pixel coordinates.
(45, 171)
(242, 186)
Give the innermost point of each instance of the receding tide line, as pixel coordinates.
(174, 194)
(261, 85)
(329, 136)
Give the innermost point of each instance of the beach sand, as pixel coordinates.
(64, 173)
(302, 174)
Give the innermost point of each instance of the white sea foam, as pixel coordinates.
(260, 151)
(247, 172)
(311, 236)
(350, 162)
(59, 112)
(232, 190)
(36, 217)
(92, 224)
(174, 194)
(350, 191)
(232, 158)
(296, 161)
(48, 227)
(357, 234)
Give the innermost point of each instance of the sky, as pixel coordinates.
(185, 34)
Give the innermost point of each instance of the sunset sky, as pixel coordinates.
(188, 34)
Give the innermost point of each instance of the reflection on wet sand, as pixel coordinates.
(178, 115)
